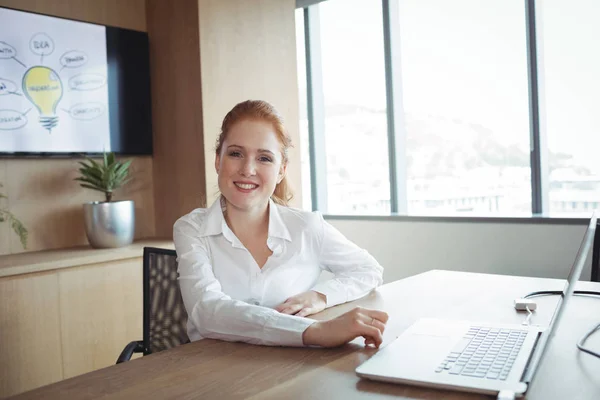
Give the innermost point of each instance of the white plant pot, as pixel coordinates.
(109, 224)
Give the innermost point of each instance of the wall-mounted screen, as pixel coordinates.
(70, 87)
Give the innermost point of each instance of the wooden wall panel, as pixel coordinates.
(129, 14)
(41, 191)
(101, 311)
(30, 344)
(248, 51)
(176, 110)
(43, 194)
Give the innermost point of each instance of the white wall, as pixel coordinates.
(407, 248)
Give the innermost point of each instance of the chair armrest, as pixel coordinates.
(133, 347)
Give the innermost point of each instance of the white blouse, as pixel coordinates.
(227, 296)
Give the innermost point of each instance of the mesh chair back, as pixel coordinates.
(165, 317)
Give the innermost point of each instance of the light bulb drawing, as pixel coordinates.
(52, 78)
(44, 89)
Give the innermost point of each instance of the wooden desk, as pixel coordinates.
(211, 369)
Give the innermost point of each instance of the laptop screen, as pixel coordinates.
(574, 274)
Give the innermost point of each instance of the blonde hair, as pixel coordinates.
(261, 110)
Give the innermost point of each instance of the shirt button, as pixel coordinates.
(254, 301)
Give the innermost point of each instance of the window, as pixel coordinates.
(465, 113)
(570, 63)
(353, 75)
(466, 110)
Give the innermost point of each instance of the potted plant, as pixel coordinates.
(16, 225)
(107, 223)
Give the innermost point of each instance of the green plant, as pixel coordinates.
(16, 225)
(105, 177)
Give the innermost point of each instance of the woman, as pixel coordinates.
(249, 265)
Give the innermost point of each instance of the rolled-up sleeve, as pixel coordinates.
(356, 272)
(216, 315)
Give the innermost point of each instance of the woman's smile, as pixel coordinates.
(245, 187)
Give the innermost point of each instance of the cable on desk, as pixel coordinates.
(526, 322)
(580, 343)
(550, 292)
(584, 338)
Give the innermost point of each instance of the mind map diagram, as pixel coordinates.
(44, 88)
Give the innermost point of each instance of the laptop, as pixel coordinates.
(468, 355)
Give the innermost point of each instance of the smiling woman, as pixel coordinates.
(253, 120)
(249, 265)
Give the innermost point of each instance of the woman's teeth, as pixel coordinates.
(246, 186)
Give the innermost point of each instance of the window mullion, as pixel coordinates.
(395, 108)
(316, 109)
(537, 131)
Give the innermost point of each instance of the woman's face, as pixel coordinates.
(249, 165)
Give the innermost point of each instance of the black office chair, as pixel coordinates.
(596, 255)
(165, 317)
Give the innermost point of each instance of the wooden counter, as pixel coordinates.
(26, 263)
(67, 312)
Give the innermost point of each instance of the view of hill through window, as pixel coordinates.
(465, 99)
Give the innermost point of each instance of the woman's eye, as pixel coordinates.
(265, 159)
(235, 154)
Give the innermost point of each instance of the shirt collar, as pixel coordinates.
(277, 228)
(215, 222)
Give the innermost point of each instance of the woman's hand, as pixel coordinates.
(364, 322)
(303, 304)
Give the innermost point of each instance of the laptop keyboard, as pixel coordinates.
(484, 353)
